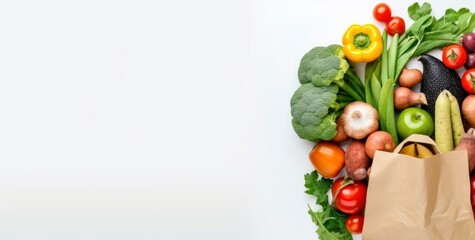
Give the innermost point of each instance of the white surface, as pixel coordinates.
(158, 120)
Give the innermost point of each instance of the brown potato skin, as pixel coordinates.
(356, 160)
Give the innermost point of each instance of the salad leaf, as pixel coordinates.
(452, 16)
(318, 187)
(330, 222)
(415, 11)
(466, 23)
(419, 27)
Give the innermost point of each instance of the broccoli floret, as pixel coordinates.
(314, 110)
(328, 85)
(323, 65)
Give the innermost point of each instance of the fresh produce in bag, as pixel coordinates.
(423, 199)
(421, 188)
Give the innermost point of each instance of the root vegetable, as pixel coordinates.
(341, 135)
(468, 41)
(405, 97)
(468, 143)
(470, 63)
(379, 140)
(468, 109)
(356, 160)
(410, 77)
(359, 120)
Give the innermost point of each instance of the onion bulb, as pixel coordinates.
(468, 109)
(381, 141)
(341, 135)
(410, 77)
(405, 97)
(359, 120)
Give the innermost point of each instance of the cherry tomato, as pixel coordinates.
(328, 158)
(472, 191)
(395, 25)
(351, 198)
(382, 12)
(354, 223)
(454, 56)
(468, 81)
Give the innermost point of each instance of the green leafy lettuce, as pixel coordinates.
(330, 223)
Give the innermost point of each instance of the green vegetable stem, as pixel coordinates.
(386, 99)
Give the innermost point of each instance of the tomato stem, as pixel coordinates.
(346, 181)
(453, 56)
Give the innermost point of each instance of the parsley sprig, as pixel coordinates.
(330, 222)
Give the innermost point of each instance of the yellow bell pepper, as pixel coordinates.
(362, 43)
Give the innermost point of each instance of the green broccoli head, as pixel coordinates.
(323, 65)
(314, 111)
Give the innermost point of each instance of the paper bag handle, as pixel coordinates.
(418, 138)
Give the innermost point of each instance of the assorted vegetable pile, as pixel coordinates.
(350, 118)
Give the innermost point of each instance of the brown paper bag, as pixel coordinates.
(412, 198)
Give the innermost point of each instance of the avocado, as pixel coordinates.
(435, 78)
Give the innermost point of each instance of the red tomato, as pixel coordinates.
(395, 25)
(382, 12)
(352, 196)
(354, 223)
(472, 190)
(328, 158)
(468, 81)
(454, 56)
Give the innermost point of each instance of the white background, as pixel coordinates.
(159, 119)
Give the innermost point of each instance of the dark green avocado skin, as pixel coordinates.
(435, 78)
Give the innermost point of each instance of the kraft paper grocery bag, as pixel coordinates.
(413, 198)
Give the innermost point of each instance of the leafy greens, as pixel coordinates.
(331, 223)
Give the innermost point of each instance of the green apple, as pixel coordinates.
(414, 121)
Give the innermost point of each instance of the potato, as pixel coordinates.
(356, 160)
